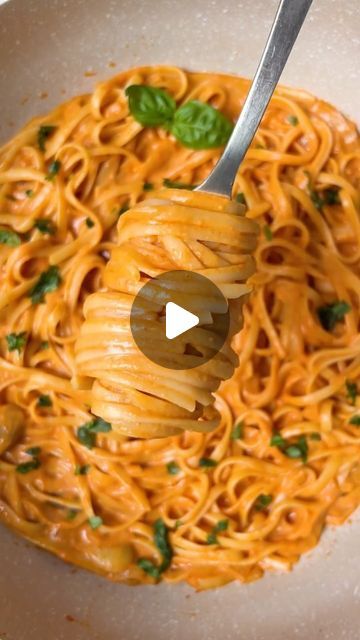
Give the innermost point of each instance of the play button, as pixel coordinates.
(179, 319)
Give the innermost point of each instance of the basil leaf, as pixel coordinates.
(98, 425)
(26, 467)
(89, 223)
(173, 468)
(240, 198)
(331, 314)
(44, 401)
(207, 463)
(9, 237)
(267, 232)
(95, 522)
(85, 437)
(16, 341)
(161, 540)
(331, 196)
(238, 431)
(150, 106)
(222, 525)
(148, 186)
(45, 226)
(277, 441)
(199, 126)
(262, 501)
(355, 421)
(82, 470)
(44, 345)
(44, 132)
(54, 168)
(293, 120)
(149, 567)
(33, 451)
(352, 392)
(47, 282)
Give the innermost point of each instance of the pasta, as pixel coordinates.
(176, 231)
(256, 492)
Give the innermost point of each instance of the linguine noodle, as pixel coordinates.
(254, 493)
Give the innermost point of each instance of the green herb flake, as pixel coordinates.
(71, 514)
(277, 441)
(238, 431)
(53, 170)
(331, 196)
(45, 226)
(26, 467)
(267, 232)
(43, 133)
(198, 125)
(170, 184)
(263, 501)
(298, 450)
(29, 193)
(10, 238)
(178, 524)
(33, 451)
(16, 341)
(315, 436)
(98, 425)
(220, 526)
(89, 223)
(122, 210)
(316, 199)
(149, 567)
(351, 390)
(240, 198)
(148, 186)
(44, 401)
(48, 281)
(44, 345)
(150, 106)
(82, 470)
(86, 437)
(330, 314)
(95, 522)
(293, 120)
(355, 421)
(207, 463)
(173, 468)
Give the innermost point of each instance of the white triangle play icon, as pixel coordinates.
(178, 320)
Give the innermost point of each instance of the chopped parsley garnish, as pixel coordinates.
(44, 401)
(95, 522)
(148, 186)
(277, 441)
(316, 199)
(16, 341)
(122, 210)
(315, 436)
(45, 226)
(238, 431)
(173, 468)
(44, 345)
(331, 196)
(240, 198)
(86, 433)
(293, 120)
(267, 232)
(161, 541)
(33, 451)
(71, 514)
(352, 390)
(298, 449)
(53, 170)
(331, 314)
(207, 463)
(220, 526)
(29, 193)
(44, 132)
(82, 470)
(26, 467)
(355, 421)
(262, 501)
(48, 281)
(89, 223)
(10, 238)
(170, 184)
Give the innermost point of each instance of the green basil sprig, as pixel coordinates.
(195, 124)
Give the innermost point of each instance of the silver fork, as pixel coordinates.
(284, 31)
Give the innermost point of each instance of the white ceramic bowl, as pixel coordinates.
(46, 46)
